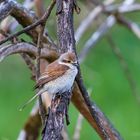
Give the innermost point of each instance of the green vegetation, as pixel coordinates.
(102, 73)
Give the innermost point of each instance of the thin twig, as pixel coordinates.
(100, 32)
(32, 126)
(102, 125)
(90, 19)
(39, 46)
(40, 21)
(39, 4)
(132, 26)
(124, 66)
(29, 63)
(78, 126)
(122, 8)
(96, 36)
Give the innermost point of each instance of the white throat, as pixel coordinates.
(69, 65)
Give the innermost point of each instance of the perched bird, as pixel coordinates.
(58, 77)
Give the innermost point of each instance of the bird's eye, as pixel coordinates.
(66, 61)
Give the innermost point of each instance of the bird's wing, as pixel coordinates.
(53, 71)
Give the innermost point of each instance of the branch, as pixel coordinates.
(42, 110)
(29, 63)
(32, 126)
(40, 10)
(78, 127)
(59, 104)
(90, 19)
(101, 124)
(5, 9)
(132, 26)
(122, 8)
(30, 49)
(9, 24)
(125, 67)
(101, 31)
(96, 36)
(55, 120)
(31, 24)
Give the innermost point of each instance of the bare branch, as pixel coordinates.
(65, 133)
(32, 126)
(96, 36)
(29, 63)
(101, 31)
(59, 105)
(42, 110)
(30, 49)
(129, 24)
(90, 19)
(101, 124)
(39, 4)
(33, 33)
(78, 127)
(125, 68)
(5, 9)
(122, 8)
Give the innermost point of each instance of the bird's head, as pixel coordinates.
(69, 59)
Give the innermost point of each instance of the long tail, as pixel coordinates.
(29, 101)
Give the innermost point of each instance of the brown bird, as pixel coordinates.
(58, 77)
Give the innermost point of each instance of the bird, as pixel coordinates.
(58, 76)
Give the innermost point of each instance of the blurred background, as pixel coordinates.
(102, 73)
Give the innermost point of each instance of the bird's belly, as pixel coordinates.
(61, 84)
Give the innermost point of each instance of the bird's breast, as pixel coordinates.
(62, 83)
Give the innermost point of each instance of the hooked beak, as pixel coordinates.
(75, 64)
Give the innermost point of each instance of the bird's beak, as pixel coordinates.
(75, 64)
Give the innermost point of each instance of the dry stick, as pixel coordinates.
(106, 8)
(90, 19)
(122, 8)
(29, 49)
(59, 104)
(40, 12)
(10, 24)
(66, 39)
(5, 9)
(32, 126)
(76, 135)
(124, 66)
(96, 36)
(29, 62)
(103, 127)
(25, 56)
(39, 46)
(101, 31)
(39, 5)
(40, 21)
(132, 26)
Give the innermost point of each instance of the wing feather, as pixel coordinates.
(53, 71)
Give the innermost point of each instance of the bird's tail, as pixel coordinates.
(29, 101)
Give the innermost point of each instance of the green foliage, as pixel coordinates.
(102, 73)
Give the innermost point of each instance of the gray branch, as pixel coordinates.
(27, 48)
